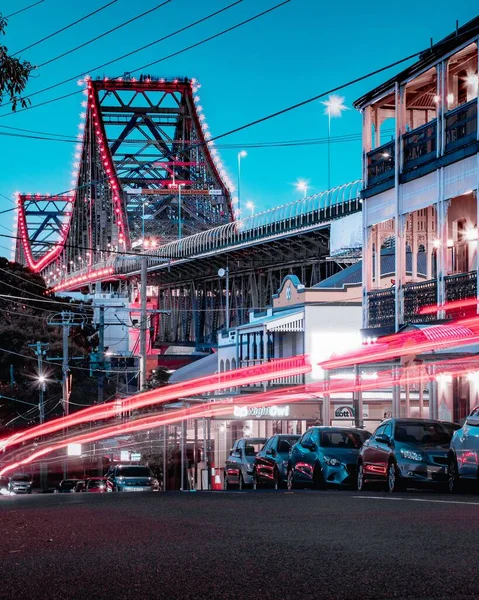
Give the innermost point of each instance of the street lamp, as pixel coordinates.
(250, 205)
(334, 107)
(241, 155)
(144, 202)
(180, 225)
(302, 186)
(223, 273)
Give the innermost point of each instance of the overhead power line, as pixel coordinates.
(66, 27)
(139, 68)
(24, 9)
(102, 35)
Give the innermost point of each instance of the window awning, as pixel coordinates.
(284, 321)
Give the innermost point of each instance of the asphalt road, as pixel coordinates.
(248, 545)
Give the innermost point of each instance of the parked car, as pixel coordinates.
(95, 485)
(406, 452)
(463, 457)
(325, 456)
(131, 478)
(68, 486)
(271, 462)
(20, 483)
(239, 465)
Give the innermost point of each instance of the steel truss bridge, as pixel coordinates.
(147, 172)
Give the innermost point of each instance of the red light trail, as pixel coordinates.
(294, 394)
(263, 372)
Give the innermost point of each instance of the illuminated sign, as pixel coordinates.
(174, 192)
(74, 450)
(243, 412)
(344, 412)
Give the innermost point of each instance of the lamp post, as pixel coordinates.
(334, 107)
(180, 226)
(241, 155)
(144, 202)
(302, 186)
(223, 273)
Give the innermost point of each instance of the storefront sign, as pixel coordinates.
(243, 412)
(347, 412)
(344, 412)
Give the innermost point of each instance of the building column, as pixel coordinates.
(429, 243)
(367, 271)
(399, 220)
(377, 257)
(357, 399)
(326, 400)
(442, 234)
(396, 402)
(414, 245)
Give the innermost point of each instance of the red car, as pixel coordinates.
(95, 485)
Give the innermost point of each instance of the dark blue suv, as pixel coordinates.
(271, 462)
(326, 456)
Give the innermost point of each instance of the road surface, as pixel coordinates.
(248, 545)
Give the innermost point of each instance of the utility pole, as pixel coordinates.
(101, 355)
(143, 320)
(40, 350)
(40, 353)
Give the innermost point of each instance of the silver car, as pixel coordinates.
(19, 483)
(131, 478)
(239, 466)
(463, 458)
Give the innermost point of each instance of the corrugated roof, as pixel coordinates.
(353, 274)
(200, 368)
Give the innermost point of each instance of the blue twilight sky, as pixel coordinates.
(293, 53)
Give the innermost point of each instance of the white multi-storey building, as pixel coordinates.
(420, 199)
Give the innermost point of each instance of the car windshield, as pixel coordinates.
(134, 472)
(69, 483)
(424, 432)
(343, 439)
(21, 478)
(284, 445)
(253, 447)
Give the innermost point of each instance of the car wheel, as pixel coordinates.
(240, 483)
(394, 483)
(226, 486)
(453, 481)
(318, 479)
(290, 479)
(361, 484)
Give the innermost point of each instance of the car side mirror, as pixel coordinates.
(383, 439)
(273, 452)
(474, 421)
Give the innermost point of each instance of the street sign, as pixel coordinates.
(174, 192)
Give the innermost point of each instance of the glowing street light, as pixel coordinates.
(250, 205)
(302, 186)
(241, 155)
(334, 108)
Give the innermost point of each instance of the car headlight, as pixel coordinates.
(332, 462)
(411, 455)
(250, 468)
(285, 463)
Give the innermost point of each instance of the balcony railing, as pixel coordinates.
(381, 308)
(419, 145)
(416, 296)
(461, 125)
(462, 286)
(381, 163)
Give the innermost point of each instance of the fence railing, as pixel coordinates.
(461, 125)
(419, 146)
(381, 163)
